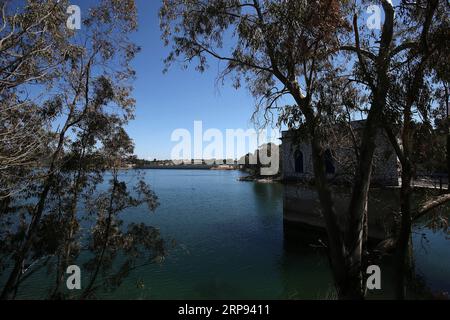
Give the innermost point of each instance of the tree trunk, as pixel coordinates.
(404, 236)
(355, 240)
(89, 288)
(13, 279)
(358, 204)
(65, 255)
(448, 157)
(357, 211)
(337, 251)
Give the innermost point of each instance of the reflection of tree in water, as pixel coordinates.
(304, 265)
(269, 194)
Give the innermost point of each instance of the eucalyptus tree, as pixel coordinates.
(32, 45)
(108, 242)
(278, 48)
(317, 53)
(90, 101)
(33, 40)
(411, 102)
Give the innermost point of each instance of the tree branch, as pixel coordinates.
(430, 205)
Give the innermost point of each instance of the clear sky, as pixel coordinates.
(166, 102)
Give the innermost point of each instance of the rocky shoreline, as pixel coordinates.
(261, 179)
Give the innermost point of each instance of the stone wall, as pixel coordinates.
(301, 206)
(385, 169)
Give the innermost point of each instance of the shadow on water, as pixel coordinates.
(305, 242)
(305, 254)
(268, 199)
(305, 249)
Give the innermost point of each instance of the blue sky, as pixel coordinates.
(166, 102)
(176, 99)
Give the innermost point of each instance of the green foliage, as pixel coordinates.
(86, 80)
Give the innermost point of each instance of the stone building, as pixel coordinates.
(339, 158)
(301, 205)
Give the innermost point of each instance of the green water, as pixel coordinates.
(230, 245)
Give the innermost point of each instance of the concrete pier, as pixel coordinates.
(301, 206)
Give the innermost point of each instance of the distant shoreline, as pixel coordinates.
(189, 167)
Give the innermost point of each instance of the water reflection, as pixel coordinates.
(305, 240)
(304, 264)
(234, 243)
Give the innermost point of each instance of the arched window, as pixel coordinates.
(298, 161)
(329, 163)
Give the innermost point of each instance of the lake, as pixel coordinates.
(230, 244)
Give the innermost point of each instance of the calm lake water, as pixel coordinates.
(230, 245)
